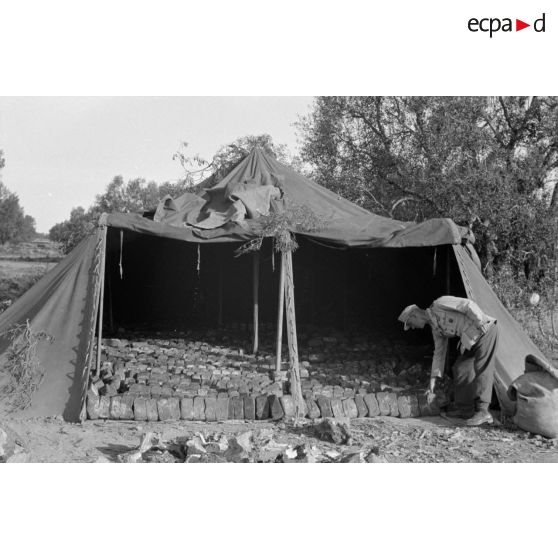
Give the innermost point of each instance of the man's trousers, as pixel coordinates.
(473, 372)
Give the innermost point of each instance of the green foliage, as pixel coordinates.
(15, 226)
(293, 217)
(22, 365)
(136, 195)
(13, 286)
(70, 233)
(28, 231)
(11, 216)
(539, 320)
(279, 225)
(488, 163)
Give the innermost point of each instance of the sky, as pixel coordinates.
(62, 151)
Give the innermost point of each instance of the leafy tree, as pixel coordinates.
(485, 162)
(490, 163)
(28, 231)
(15, 226)
(173, 189)
(69, 233)
(136, 195)
(11, 216)
(133, 196)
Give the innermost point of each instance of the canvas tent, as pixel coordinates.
(151, 267)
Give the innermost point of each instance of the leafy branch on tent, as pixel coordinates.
(195, 167)
(279, 225)
(22, 365)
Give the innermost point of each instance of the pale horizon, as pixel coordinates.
(62, 151)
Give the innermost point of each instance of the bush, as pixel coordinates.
(12, 288)
(538, 320)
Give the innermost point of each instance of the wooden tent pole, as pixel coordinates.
(448, 284)
(296, 389)
(345, 297)
(448, 292)
(111, 316)
(312, 285)
(94, 316)
(101, 298)
(220, 289)
(255, 296)
(280, 307)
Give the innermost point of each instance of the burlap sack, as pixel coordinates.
(536, 397)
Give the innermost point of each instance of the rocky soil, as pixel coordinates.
(372, 440)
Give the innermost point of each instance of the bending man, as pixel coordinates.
(473, 370)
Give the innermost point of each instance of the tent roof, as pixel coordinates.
(346, 224)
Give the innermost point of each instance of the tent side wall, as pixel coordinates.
(513, 343)
(63, 305)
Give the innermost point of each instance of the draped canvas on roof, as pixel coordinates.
(230, 211)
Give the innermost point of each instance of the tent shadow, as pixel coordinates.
(112, 451)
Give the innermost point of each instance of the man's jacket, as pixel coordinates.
(450, 316)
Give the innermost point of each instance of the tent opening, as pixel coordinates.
(347, 304)
(158, 284)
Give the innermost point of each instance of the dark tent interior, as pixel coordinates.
(154, 283)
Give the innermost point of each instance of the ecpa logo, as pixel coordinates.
(494, 24)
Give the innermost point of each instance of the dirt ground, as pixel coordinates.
(424, 440)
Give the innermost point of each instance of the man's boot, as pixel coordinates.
(481, 416)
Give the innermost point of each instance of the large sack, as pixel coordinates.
(536, 397)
